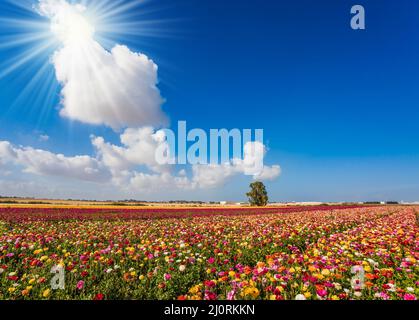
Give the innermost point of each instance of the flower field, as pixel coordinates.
(302, 253)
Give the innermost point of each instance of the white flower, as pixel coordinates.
(1, 270)
(300, 297)
(392, 287)
(410, 289)
(182, 268)
(358, 294)
(109, 270)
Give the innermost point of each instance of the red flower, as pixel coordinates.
(99, 296)
(84, 274)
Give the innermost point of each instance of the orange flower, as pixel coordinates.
(370, 276)
(247, 270)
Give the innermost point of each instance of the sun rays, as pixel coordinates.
(29, 38)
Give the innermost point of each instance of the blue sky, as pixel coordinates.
(339, 107)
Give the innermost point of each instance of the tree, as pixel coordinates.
(258, 195)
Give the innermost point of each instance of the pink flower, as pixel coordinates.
(167, 276)
(409, 296)
(322, 293)
(80, 285)
(209, 283)
(211, 260)
(231, 295)
(210, 295)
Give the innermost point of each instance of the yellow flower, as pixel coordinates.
(12, 289)
(272, 297)
(194, 290)
(251, 291)
(292, 270)
(32, 281)
(307, 295)
(334, 297)
(141, 277)
(281, 289)
(231, 273)
(325, 272)
(46, 293)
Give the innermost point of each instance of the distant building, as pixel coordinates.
(229, 203)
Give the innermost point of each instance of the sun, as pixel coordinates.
(71, 25)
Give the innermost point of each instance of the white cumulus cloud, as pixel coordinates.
(41, 162)
(132, 166)
(252, 164)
